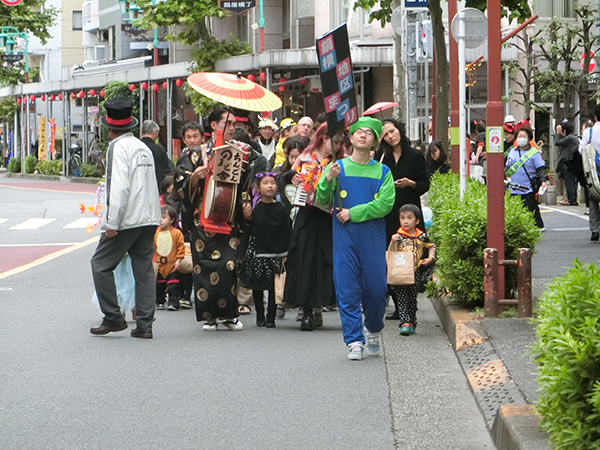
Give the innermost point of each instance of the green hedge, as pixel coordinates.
(89, 170)
(49, 167)
(567, 352)
(14, 165)
(459, 231)
(30, 163)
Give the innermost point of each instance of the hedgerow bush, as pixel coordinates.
(30, 163)
(567, 352)
(89, 170)
(459, 231)
(49, 167)
(14, 165)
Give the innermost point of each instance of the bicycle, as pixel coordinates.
(75, 160)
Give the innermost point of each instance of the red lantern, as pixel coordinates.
(251, 77)
(263, 77)
(60, 96)
(43, 97)
(93, 92)
(73, 95)
(144, 85)
(302, 80)
(102, 94)
(165, 85)
(19, 101)
(81, 94)
(52, 97)
(155, 87)
(32, 98)
(132, 87)
(178, 82)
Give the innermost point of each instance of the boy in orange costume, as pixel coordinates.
(169, 251)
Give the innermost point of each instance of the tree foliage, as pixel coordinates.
(8, 107)
(187, 21)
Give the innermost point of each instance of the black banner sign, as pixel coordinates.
(337, 79)
(11, 57)
(237, 7)
(133, 29)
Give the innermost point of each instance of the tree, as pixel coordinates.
(513, 9)
(187, 21)
(28, 16)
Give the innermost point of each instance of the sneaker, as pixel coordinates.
(373, 345)
(185, 304)
(300, 316)
(595, 236)
(318, 319)
(412, 328)
(160, 306)
(270, 324)
(543, 230)
(210, 326)
(280, 312)
(405, 329)
(172, 307)
(233, 324)
(356, 351)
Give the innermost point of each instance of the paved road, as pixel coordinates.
(255, 389)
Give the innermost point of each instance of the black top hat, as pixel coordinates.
(118, 114)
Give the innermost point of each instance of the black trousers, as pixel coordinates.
(530, 202)
(259, 304)
(168, 286)
(139, 243)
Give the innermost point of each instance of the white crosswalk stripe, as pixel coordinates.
(3, 220)
(32, 224)
(82, 223)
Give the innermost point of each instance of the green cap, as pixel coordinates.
(368, 122)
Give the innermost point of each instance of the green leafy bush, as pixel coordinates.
(459, 231)
(567, 352)
(30, 163)
(89, 170)
(49, 167)
(14, 165)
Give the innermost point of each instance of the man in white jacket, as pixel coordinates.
(130, 216)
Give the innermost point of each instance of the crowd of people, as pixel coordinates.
(314, 210)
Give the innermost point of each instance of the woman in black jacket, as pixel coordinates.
(569, 150)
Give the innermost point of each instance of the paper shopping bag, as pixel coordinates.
(400, 268)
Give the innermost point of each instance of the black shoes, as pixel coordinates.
(260, 322)
(108, 326)
(143, 334)
(307, 324)
(392, 316)
(595, 236)
(270, 324)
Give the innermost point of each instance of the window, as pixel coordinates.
(77, 20)
(553, 8)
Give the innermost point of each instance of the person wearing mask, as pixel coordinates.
(527, 170)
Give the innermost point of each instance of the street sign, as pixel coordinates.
(592, 61)
(337, 78)
(11, 57)
(475, 27)
(495, 140)
(415, 4)
(11, 2)
(237, 7)
(133, 29)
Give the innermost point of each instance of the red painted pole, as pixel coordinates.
(495, 161)
(454, 119)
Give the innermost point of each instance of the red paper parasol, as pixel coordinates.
(234, 90)
(378, 107)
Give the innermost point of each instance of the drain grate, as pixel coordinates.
(489, 379)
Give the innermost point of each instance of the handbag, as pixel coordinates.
(400, 267)
(186, 265)
(280, 285)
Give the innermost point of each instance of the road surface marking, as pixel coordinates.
(569, 229)
(48, 258)
(56, 244)
(32, 224)
(82, 223)
(3, 220)
(562, 211)
(44, 189)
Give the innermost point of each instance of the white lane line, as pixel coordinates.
(82, 223)
(55, 244)
(562, 211)
(32, 224)
(569, 229)
(3, 220)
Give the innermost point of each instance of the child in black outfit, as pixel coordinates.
(270, 231)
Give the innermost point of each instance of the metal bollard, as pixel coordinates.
(551, 195)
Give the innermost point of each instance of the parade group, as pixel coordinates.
(310, 219)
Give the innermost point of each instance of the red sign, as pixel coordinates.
(11, 2)
(592, 60)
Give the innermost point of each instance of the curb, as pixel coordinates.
(513, 424)
(36, 176)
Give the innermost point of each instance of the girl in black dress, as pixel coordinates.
(270, 230)
(436, 159)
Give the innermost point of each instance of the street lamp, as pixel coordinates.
(7, 43)
(132, 10)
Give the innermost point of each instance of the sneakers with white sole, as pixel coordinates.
(233, 324)
(373, 346)
(356, 351)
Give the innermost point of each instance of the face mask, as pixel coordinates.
(522, 142)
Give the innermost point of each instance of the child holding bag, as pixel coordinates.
(410, 239)
(270, 231)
